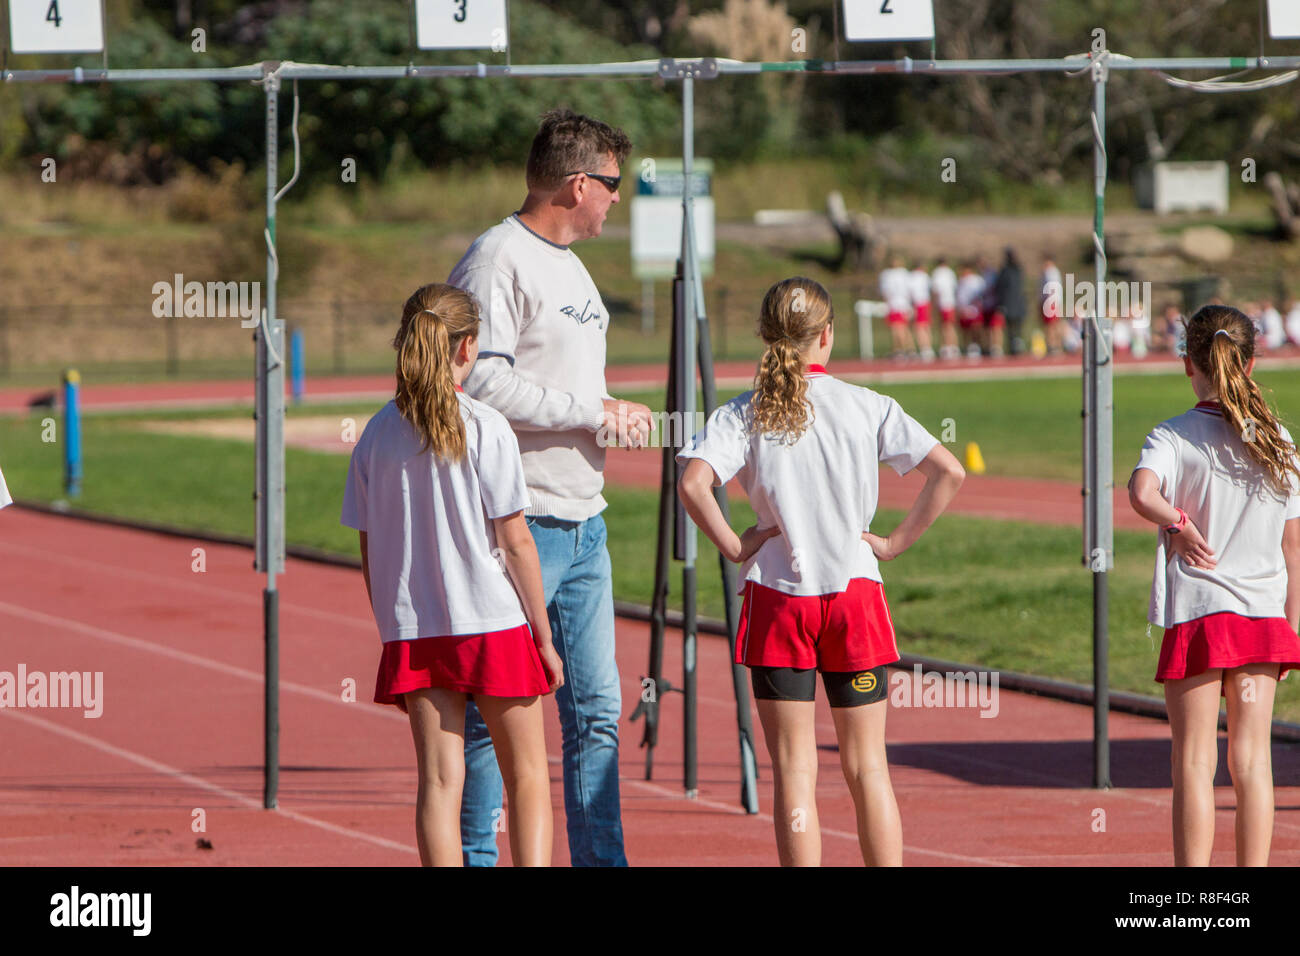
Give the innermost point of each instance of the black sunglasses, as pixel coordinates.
(611, 182)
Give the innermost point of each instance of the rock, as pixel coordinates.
(1140, 244)
(1205, 244)
(1153, 268)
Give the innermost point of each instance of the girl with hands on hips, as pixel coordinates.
(1222, 482)
(807, 449)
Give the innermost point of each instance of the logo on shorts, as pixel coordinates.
(865, 682)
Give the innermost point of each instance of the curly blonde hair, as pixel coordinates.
(793, 315)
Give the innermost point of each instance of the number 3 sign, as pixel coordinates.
(888, 20)
(461, 25)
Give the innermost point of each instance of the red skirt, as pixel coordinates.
(849, 630)
(496, 664)
(1225, 640)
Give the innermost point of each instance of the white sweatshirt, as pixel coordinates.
(541, 361)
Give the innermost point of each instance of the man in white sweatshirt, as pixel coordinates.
(542, 365)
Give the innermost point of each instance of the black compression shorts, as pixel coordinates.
(843, 688)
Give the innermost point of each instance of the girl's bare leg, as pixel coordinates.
(438, 728)
(788, 727)
(515, 724)
(861, 735)
(1250, 691)
(1193, 705)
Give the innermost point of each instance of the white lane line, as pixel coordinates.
(104, 568)
(200, 783)
(163, 650)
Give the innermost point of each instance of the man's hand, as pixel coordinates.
(629, 422)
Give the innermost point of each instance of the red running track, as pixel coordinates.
(181, 729)
(729, 374)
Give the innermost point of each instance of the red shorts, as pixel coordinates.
(896, 318)
(848, 630)
(496, 664)
(946, 316)
(1226, 640)
(970, 317)
(923, 314)
(995, 320)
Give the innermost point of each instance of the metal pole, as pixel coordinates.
(270, 454)
(690, 269)
(739, 674)
(651, 696)
(1101, 451)
(647, 307)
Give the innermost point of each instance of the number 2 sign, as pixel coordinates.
(56, 26)
(460, 24)
(888, 20)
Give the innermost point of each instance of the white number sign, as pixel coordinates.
(888, 20)
(55, 26)
(460, 25)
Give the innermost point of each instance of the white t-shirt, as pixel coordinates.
(1121, 334)
(5, 499)
(943, 282)
(430, 540)
(1274, 330)
(822, 490)
(1050, 292)
(895, 289)
(1050, 282)
(1205, 470)
(970, 289)
(1293, 325)
(919, 283)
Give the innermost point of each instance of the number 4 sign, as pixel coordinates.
(888, 20)
(461, 25)
(56, 26)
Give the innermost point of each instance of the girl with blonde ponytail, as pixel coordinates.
(1223, 483)
(438, 322)
(436, 492)
(807, 449)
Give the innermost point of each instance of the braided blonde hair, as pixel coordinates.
(793, 314)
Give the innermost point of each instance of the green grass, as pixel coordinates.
(1031, 428)
(996, 593)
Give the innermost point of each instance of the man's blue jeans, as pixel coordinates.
(580, 605)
